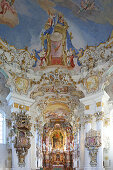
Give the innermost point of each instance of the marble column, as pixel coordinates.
(16, 102)
(40, 152)
(76, 146)
(74, 151)
(88, 121)
(99, 121)
(101, 109)
(89, 109)
(82, 147)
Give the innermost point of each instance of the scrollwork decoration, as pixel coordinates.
(92, 143)
(21, 127)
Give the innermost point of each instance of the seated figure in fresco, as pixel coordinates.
(39, 56)
(80, 55)
(42, 55)
(70, 57)
(51, 19)
(61, 19)
(35, 56)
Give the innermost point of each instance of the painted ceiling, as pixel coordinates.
(71, 39)
(21, 22)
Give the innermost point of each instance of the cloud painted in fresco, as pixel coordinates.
(33, 19)
(46, 5)
(35, 43)
(87, 33)
(102, 15)
(22, 8)
(78, 40)
(30, 25)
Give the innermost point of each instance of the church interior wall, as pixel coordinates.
(56, 85)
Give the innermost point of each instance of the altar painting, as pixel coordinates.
(57, 140)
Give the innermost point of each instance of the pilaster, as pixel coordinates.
(95, 107)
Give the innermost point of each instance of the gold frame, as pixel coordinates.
(63, 134)
(62, 30)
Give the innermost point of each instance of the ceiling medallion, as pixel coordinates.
(92, 81)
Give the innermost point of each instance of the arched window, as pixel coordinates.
(2, 128)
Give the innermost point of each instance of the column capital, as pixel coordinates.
(93, 98)
(99, 115)
(88, 118)
(16, 98)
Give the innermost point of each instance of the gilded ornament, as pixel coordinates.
(98, 104)
(92, 143)
(88, 118)
(87, 107)
(8, 123)
(16, 105)
(21, 84)
(99, 116)
(0, 62)
(92, 83)
(21, 127)
(106, 122)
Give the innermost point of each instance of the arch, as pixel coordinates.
(3, 113)
(4, 73)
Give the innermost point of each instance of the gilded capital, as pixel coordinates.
(106, 122)
(99, 115)
(88, 118)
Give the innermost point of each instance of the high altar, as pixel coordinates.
(59, 140)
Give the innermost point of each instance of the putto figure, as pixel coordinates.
(87, 5)
(7, 5)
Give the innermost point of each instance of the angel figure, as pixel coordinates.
(87, 5)
(43, 54)
(7, 5)
(51, 19)
(70, 57)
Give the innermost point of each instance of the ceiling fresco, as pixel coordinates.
(54, 56)
(22, 22)
(56, 52)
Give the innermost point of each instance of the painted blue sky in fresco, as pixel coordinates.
(32, 19)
